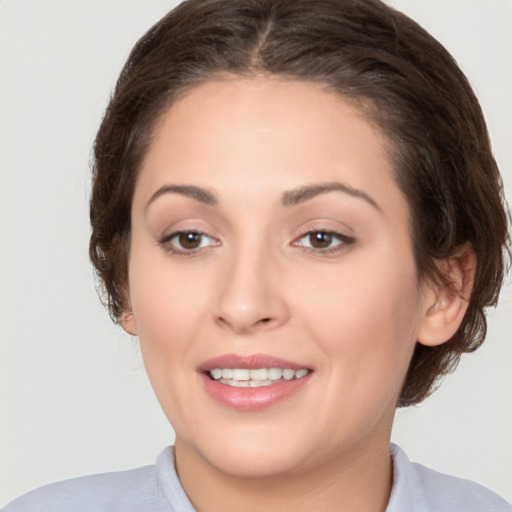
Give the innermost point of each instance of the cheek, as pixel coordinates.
(166, 305)
(168, 309)
(365, 319)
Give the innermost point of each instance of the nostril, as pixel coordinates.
(265, 320)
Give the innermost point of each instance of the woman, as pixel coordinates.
(296, 210)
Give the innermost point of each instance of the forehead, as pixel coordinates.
(262, 108)
(264, 133)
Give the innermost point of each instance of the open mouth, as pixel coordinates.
(253, 382)
(254, 378)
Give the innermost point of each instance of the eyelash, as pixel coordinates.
(343, 242)
(166, 242)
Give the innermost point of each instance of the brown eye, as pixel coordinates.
(189, 240)
(320, 239)
(324, 242)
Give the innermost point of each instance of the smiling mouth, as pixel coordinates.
(255, 378)
(255, 382)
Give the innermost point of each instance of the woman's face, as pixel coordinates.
(271, 243)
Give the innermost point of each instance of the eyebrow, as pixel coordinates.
(199, 194)
(289, 198)
(307, 192)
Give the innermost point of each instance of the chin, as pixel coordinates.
(256, 463)
(256, 454)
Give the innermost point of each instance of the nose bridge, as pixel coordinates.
(249, 295)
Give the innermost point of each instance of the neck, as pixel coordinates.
(358, 481)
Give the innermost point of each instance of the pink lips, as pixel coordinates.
(250, 399)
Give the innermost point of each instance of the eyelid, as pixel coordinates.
(344, 241)
(334, 233)
(165, 242)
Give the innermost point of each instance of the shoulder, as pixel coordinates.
(425, 490)
(124, 490)
(146, 489)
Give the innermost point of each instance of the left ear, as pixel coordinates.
(128, 323)
(445, 305)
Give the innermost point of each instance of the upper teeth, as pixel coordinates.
(243, 377)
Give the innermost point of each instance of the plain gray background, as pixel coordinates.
(74, 398)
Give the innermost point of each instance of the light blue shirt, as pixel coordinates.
(158, 489)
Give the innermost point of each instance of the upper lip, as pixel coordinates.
(249, 362)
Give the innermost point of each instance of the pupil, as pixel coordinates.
(320, 240)
(190, 240)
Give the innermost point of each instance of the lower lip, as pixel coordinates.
(253, 399)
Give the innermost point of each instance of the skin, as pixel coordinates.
(351, 311)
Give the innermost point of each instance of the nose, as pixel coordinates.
(250, 298)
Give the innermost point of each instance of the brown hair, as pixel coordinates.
(367, 52)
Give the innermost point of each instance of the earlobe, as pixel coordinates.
(445, 304)
(128, 323)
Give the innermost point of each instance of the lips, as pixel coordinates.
(249, 362)
(251, 383)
